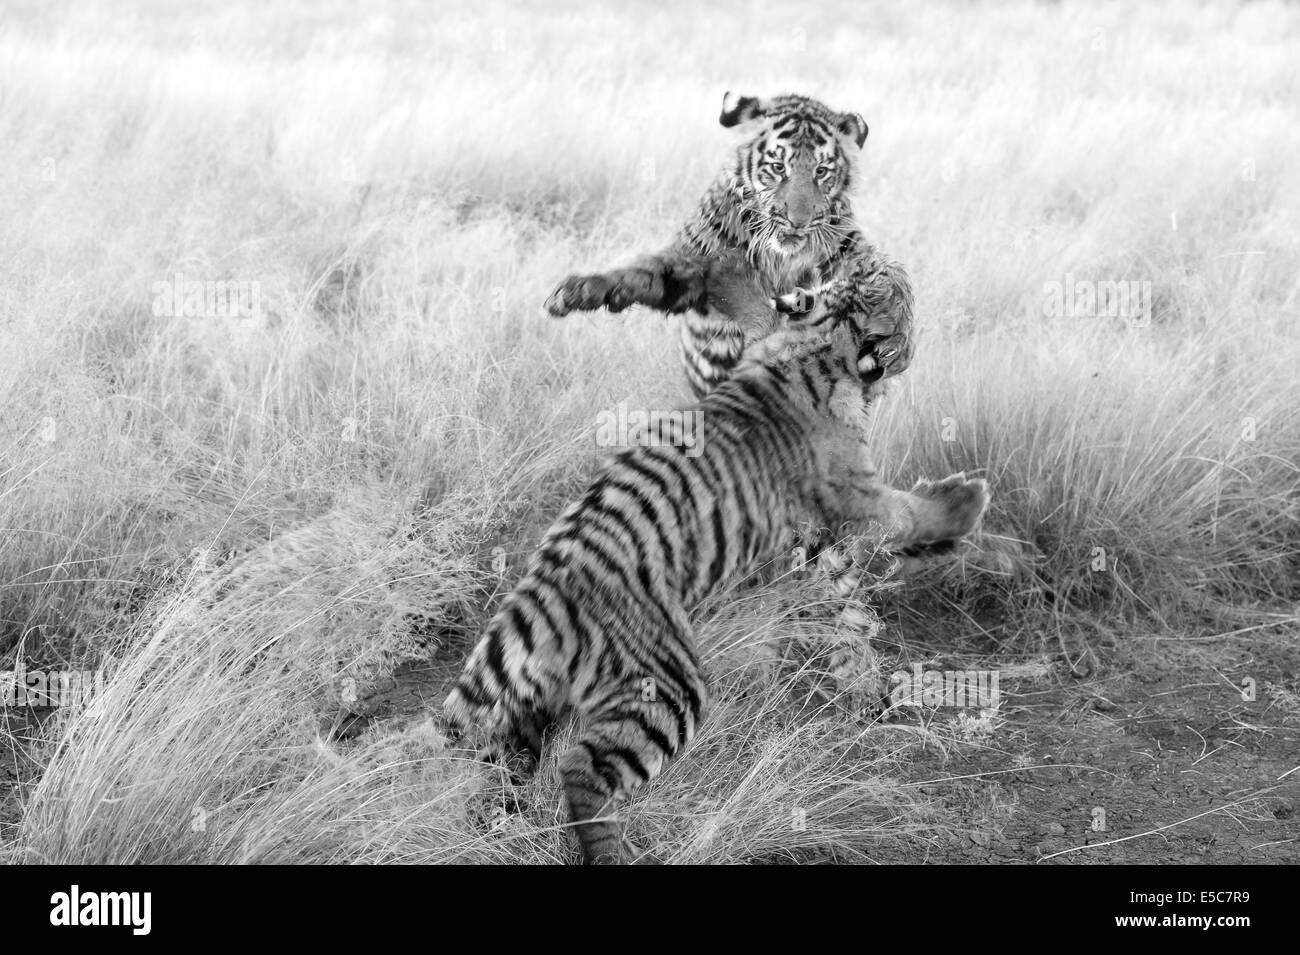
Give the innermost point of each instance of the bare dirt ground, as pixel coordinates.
(1160, 742)
(17, 767)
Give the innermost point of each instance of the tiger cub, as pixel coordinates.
(783, 205)
(600, 624)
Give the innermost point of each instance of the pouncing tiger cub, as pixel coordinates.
(601, 623)
(783, 204)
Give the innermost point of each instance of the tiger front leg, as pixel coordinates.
(874, 294)
(666, 283)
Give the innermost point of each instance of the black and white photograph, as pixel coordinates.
(660, 433)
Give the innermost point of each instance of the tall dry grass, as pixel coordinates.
(243, 514)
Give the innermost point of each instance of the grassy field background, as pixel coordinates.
(249, 523)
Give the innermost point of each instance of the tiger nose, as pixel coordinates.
(799, 209)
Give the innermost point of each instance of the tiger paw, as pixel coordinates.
(890, 356)
(962, 500)
(873, 710)
(614, 291)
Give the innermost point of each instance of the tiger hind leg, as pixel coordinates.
(851, 663)
(926, 517)
(625, 744)
(930, 517)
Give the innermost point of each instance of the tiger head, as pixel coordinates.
(793, 172)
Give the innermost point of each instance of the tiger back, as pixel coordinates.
(601, 622)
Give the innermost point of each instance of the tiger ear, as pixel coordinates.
(745, 109)
(854, 126)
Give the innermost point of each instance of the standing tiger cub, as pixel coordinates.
(600, 624)
(783, 204)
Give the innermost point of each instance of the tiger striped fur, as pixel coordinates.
(601, 623)
(783, 205)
